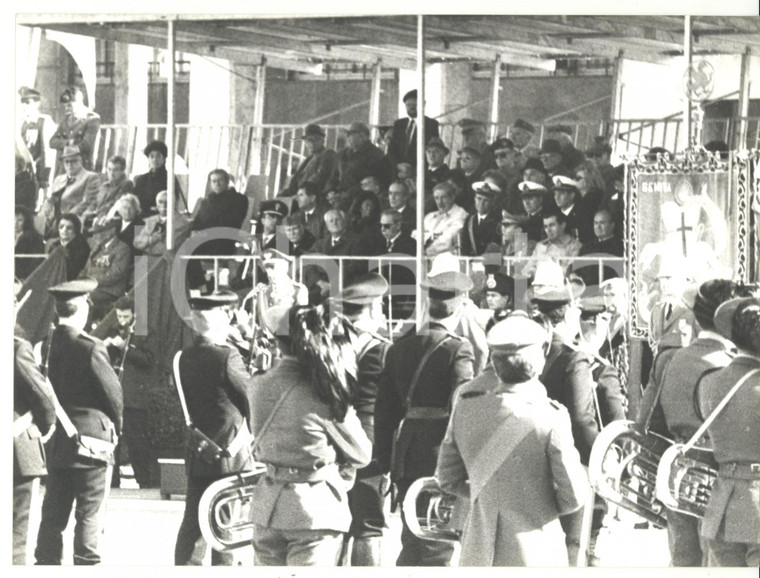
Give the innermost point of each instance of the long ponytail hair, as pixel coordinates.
(328, 365)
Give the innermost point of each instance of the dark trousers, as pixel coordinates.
(141, 454)
(416, 551)
(366, 501)
(23, 491)
(190, 530)
(86, 486)
(686, 547)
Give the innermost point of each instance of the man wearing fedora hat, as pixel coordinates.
(437, 171)
(568, 380)
(731, 524)
(110, 264)
(403, 145)
(36, 130)
(508, 449)
(79, 127)
(319, 166)
(72, 192)
(90, 396)
(360, 159)
(422, 370)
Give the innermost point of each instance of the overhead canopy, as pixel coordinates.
(308, 44)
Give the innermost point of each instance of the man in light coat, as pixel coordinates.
(509, 449)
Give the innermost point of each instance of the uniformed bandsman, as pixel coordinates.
(90, 398)
(509, 449)
(731, 524)
(677, 383)
(421, 372)
(217, 390)
(500, 291)
(33, 423)
(362, 309)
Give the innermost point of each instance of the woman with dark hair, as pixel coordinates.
(71, 241)
(28, 242)
(365, 223)
(311, 441)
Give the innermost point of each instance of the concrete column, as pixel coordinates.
(121, 82)
(456, 90)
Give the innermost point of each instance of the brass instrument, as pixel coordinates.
(623, 469)
(432, 514)
(224, 511)
(685, 479)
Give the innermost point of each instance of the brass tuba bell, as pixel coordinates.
(685, 479)
(432, 514)
(224, 511)
(623, 469)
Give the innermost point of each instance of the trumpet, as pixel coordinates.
(224, 511)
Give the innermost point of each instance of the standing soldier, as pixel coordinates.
(363, 318)
(79, 127)
(509, 449)
(33, 416)
(421, 372)
(216, 387)
(731, 524)
(132, 357)
(90, 414)
(674, 387)
(35, 132)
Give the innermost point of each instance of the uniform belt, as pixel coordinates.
(427, 413)
(740, 471)
(289, 474)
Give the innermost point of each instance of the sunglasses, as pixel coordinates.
(386, 225)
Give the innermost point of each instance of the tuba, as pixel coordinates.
(224, 511)
(432, 514)
(623, 469)
(685, 479)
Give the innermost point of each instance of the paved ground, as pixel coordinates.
(141, 528)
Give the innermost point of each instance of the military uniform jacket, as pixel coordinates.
(312, 457)
(109, 264)
(79, 131)
(87, 388)
(679, 381)
(30, 393)
(369, 364)
(217, 390)
(477, 234)
(735, 435)
(568, 380)
(513, 519)
(450, 365)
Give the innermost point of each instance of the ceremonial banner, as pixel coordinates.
(688, 221)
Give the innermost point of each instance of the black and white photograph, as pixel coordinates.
(395, 287)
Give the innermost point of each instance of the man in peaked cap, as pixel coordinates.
(481, 227)
(500, 296)
(79, 127)
(508, 449)
(319, 166)
(403, 145)
(36, 130)
(362, 320)
(532, 197)
(421, 372)
(568, 380)
(567, 198)
(271, 214)
(73, 191)
(90, 395)
(731, 525)
(212, 374)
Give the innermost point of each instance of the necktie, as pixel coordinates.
(389, 244)
(410, 131)
(306, 217)
(70, 180)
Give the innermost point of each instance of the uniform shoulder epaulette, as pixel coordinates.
(470, 394)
